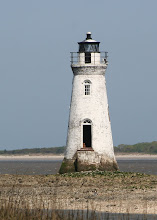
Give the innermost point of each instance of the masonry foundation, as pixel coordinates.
(86, 161)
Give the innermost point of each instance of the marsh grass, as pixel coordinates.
(21, 211)
(15, 206)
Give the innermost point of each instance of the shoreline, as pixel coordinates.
(49, 157)
(32, 157)
(134, 156)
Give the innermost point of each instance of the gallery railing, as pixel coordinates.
(87, 58)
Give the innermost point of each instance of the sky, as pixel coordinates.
(36, 38)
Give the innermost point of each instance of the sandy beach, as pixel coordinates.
(60, 157)
(134, 193)
(136, 156)
(112, 193)
(31, 157)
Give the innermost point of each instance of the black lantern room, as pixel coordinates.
(88, 46)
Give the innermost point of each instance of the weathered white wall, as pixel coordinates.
(95, 58)
(93, 107)
(88, 157)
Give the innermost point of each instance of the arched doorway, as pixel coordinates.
(87, 133)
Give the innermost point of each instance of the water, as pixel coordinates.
(32, 167)
(147, 166)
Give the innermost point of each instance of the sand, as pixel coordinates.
(31, 157)
(118, 193)
(60, 157)
(113, 193)
(136, 156)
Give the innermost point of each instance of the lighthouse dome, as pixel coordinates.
(89, 45)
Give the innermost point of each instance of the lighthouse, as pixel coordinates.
(89, 139)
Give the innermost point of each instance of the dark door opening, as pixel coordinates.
(87, 142)
(88, 57)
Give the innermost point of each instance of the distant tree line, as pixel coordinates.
(147, 148)
(51, 150)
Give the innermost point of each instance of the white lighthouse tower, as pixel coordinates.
(89, 140)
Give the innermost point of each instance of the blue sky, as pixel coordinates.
(36, 38)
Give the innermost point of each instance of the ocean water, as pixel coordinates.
(32, 167)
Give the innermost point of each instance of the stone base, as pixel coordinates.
(68, 166)
(108, 166)
(87, 161)
(90, 160)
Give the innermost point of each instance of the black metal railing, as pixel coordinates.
(87, 58)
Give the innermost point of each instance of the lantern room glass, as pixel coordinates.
(89, 47)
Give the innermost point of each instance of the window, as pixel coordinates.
(87, 57)
(87, 87)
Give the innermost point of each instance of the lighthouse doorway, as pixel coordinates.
(87, 142)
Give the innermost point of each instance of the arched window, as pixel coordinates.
(87, 87)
